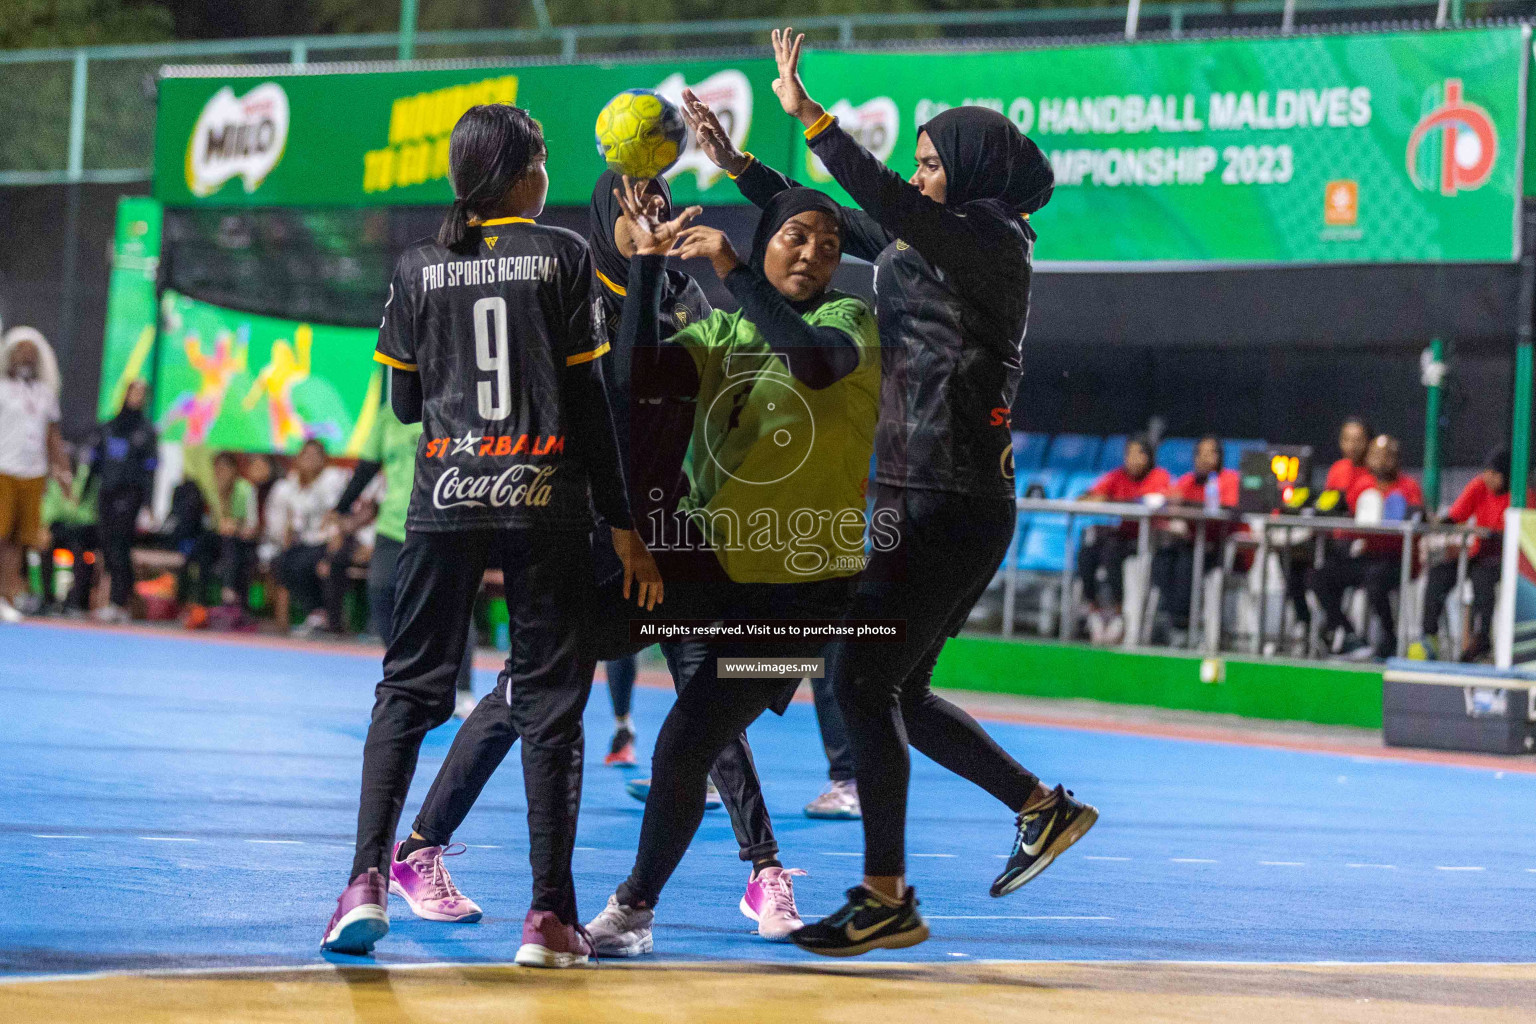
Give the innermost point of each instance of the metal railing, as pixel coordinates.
(87, 114)
(1260, 533)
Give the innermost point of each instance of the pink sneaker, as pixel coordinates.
(547, 942)
(428, 889)
(770, 901)
(361, 918)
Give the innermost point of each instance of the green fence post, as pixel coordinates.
(1433, 371)
(1520, 443)
(1520, 425)
(407, 29)
(77, 118)
(1456, 6)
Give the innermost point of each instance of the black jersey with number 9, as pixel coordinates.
(516, 430)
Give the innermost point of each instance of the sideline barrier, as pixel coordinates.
(1261, 531)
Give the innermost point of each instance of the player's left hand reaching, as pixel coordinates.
(797, 103)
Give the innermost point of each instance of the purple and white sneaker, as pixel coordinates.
(428, 889)
(548, 942)
(361, 918)
(770, 901)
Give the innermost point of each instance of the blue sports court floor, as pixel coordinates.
(185, 803)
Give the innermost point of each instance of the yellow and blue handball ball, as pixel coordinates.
(640, 133)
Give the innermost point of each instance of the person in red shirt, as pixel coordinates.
(1354, 438)
(1173, 567)
(1372, 561)
(1482, 503)
(1104, 550)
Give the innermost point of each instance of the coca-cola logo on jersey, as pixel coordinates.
(520, 486)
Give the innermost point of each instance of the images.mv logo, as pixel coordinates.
(1468, 144)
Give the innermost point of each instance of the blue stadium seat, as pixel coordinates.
(1044, 546)
(1232, 451)
(1177, 455)
(1029, 450)
(1052, 481)
(1112, 455)
(1073, 452)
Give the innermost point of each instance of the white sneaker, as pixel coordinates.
(1114, 632)
(111, 615)
(8, 612)
(463, 704)
(622, 931)
(838, 802)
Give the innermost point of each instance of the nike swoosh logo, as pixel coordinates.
(1034, 849)
(860, 934)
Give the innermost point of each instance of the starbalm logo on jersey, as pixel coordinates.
(873, 124)
(237, 136)
(729, 94)
(520, 486)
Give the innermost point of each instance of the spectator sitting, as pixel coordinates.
(225, 550)
(124, 458)
(70, 515)
(30, 446)
(1354, 441)
(296, 518)
(1102, 557)
(1483, 501)
(1208, 486)
(1373, 561)
(1354, 438)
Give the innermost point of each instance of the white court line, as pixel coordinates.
(276, 842)
(840, 853)
(483, 846)
(1192, 860)
(584, 849)
(1089, 856)
(166, 839)
(931, 855)
(1443, 867)
(1384, 867)
(1016, 917)
(49, 835)
(1283, 863)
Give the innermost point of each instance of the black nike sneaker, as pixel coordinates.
(1044, 834)
(867, 921)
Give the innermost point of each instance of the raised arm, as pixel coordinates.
(945, 236)
(862, 236)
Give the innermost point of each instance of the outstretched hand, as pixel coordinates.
(652, 236)
(702, 242)
(797, 103)
(711, 136)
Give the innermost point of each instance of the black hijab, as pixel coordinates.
(986, 157)
(605, 211)
(781, 208)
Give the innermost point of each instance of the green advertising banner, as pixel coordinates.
(260, 384)
(130, 335)
(1378, 148)
(379, 138)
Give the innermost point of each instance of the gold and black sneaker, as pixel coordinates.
(1044, 834)
(867, 921)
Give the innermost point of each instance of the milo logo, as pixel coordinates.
(237, 137)
(872, 123)
(729, 95)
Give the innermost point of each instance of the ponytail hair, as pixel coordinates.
(491, 146)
